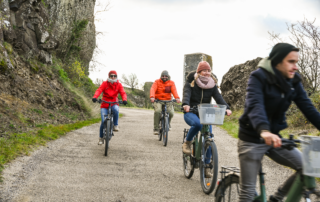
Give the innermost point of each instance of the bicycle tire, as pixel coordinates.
(107, 138)
(208, 184)
(160, 130)
(188, 172)
(226, 186)
(165, 131)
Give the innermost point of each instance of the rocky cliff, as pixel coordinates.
(234, 83)
(38, 40)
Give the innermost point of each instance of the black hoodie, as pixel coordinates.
(193, 96)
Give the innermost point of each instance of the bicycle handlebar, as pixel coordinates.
(288, 144)
(165, 101)
(120, 102)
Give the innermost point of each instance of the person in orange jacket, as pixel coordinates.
(162, 89)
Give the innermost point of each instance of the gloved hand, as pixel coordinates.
(94, 100)
(125, 102)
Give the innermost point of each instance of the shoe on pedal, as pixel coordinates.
(155, 131)
(101, 141)
(273, 199)
(116, 128)
(208, 173)
(186, 147)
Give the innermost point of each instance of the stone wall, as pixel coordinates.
(234, 83)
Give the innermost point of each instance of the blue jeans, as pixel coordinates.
(104, 111)
(193, 120)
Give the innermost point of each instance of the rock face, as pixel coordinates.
(38, 27)
(191, 62)
(234, 83)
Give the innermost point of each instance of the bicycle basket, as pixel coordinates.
(211, 114)
(311, 155)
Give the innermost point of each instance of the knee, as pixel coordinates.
(197, 126)
(116, 108)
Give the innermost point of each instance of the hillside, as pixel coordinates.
(46, 47)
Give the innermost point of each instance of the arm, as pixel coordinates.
(186, 94)
(99, 90)
(255, 105)
(174, 91)
(218, 97)
(306, 106)
(153, 89)
(122, 92)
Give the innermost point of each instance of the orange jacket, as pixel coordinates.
(162, 90)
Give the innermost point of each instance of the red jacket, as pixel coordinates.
(110, 92)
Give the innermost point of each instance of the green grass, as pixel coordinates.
(24, 143)
(231, 124)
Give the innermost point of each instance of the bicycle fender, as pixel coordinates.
(223, 181)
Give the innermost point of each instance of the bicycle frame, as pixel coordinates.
(198, 143)
(300, 184)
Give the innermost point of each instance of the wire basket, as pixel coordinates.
(211, 114)
(311, 155)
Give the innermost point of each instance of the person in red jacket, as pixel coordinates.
(162, 89)
(110, 89)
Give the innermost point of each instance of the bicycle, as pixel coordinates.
(200, 148)
(303, 185)
(108, 125)
(164, 121)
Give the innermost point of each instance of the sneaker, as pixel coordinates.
(170, 128)
(273, 199)
(116, 128)
(155, 131)
(208, 173)
(186, 147)
(101, 141)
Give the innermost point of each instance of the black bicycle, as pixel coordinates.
(108, 125)
(164, 121)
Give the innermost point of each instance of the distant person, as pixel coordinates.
(200, 87)
(271, 89)
(110, 89)
(162, 89)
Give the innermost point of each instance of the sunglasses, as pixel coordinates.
(113, 75)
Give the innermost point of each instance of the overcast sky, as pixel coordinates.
(146, 37)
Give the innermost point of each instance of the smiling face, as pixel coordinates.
(206, 73)
(288, 66)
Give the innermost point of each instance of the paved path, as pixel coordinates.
(138, 168)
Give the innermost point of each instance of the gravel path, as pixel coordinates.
(138, 168)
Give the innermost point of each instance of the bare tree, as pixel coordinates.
(98, 82)
(306, 36)
(131, 81)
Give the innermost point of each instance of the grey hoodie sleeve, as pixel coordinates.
(218, 97)
(186, 94)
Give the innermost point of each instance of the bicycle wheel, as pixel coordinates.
(111, 128)
(208, 183)
(107, 137)
(161, 128)
(188, 167)
(165, 131)
(228, 189)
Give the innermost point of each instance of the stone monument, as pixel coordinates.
(191, 62)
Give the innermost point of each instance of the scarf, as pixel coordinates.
(204, 82)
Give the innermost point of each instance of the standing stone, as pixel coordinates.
(191, 62)
(146, 88)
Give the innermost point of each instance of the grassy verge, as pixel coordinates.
(23, 143)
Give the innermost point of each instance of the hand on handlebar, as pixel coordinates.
(271, 139)
(186, 108)
(178, 100)
(125, 102)
(94, 100)
(152, 100)
(229, 112)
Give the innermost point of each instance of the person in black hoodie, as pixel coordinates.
(200, 87)
(271, 89)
